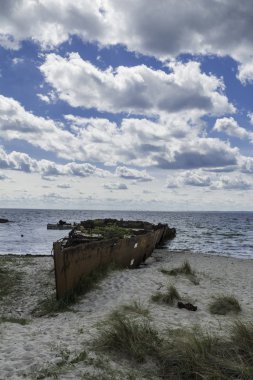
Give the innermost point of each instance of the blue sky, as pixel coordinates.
(107, 104)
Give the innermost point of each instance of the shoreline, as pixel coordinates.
(27, 348)
(174, 252)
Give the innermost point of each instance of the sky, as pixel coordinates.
(129, 105)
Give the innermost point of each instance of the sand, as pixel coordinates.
(29, 351)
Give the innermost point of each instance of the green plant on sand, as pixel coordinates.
(20, 321)
(51, 306)
(134, 307)
(169, 297)
(223, 305)
(180, 354)
(9, 281)
(184, 269)
(134, 337)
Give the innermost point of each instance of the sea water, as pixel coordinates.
(217, 233)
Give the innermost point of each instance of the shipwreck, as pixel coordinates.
(100, 242)
(61, 225)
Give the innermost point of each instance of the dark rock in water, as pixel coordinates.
(187, 306)
(4, 220)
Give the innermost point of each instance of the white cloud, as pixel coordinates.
(193, 178)
(137, 89)
(177, 27)
(230, 126)
(245, 72)
(133, 174)
(246, 165)
(189, 178)
(116, 186)
(228, 183)
(171, 142)
(250, 116)
(44, 98)
(218, 27)
(17, 123)
(198, 178)
(23, 162)
(52, 21)
(17, 61)
(17, 161)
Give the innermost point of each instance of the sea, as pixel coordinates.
(216, 233)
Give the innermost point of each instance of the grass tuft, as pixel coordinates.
(223, 305)
(183, 354)
(51, 306)
(136, 308)
(20, 321)
(133, 337)
(9, 280)
(184, 269)
(169, 297)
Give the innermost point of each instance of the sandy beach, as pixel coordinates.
(46, 346)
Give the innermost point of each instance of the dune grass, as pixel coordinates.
(9, 281)
(51, 306)
(20, 321)
(223, 305)
(169, 297)
(133, 337)
(135, 307)
(184, 269)
(180, 354)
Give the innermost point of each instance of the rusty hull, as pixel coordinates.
(75, 262)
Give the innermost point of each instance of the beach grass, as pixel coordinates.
(135, 307)
(133, 337)
(184, 269)
(224, 304)
(169, 297)
(20, 321)
(51, 306)
(181, 353)
(9, 281)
